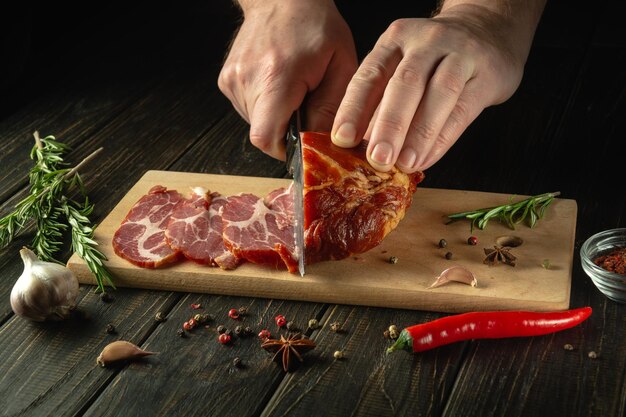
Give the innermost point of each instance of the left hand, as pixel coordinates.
(425, 81)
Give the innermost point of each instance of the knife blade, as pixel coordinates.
(295, 169)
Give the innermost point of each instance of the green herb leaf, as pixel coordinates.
(530, 210)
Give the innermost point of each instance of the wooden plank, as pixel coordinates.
(527, 286)
(367, 382)
(194, 375)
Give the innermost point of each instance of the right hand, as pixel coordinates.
(283, 51)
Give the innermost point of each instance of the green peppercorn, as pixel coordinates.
(199, 318)
(313, 324)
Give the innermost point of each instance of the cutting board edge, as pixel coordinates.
(313, 292)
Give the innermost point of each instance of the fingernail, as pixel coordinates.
(345, 136)
(382, 153)
(407, 158)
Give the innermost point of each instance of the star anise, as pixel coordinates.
(285, 350)
(499, 254)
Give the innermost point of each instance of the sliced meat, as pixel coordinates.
(261, 231)
(195, 229)
(141, 237)
(348, 206)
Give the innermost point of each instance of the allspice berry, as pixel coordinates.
(338, 354)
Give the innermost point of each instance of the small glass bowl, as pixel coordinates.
(611, 284)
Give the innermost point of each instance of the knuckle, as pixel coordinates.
(423, 131)
(373, 73)
(397, 28)
(449, 82)
(406, 75)
(390, 127)
(263, 142)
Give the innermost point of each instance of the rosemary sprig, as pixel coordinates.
(48, 202)
(530, 210)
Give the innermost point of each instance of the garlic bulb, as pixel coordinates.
(45, 290)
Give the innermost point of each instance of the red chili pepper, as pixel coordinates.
(486, 325)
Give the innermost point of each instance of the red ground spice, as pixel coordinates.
(614, 261)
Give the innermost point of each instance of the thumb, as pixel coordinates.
(323, 102)
(270, 117)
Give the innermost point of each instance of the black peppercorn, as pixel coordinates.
(243, 310)
(248, 331)
(110, 329)
(237, 362)
(180, 333)
(238, 330)
(443, 243)
(290, 326)
(105, 297)
(448, 255)
(221, 329)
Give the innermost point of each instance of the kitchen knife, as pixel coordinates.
(293, 147)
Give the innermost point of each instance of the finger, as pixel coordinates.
(270, 116)
(397, 109)
(364, 93)
(228, 86)
(441, 96)
(466, 110)
(323, 102)
(370, 127)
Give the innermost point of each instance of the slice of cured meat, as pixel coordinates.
(261, 230)
(195, 229)
(348, 206)
(141, 237)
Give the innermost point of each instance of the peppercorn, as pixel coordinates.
(448, 255)
(280, 320)
(393, 328)
(472, 240)
(105, 297)
(237, 362)
(338, 354)
(335, 327)
(386, 334)
(198, 318)
(290, 326)
(243, 310)
(238, 331)
(110, 329)
(221, 329)
(393, 332)
(206, 318)
(393, 259)
(264, 334)
(443, 243)
(567, 346)
(160, 317)
(233, 313)
(313, 324)
(180, 333)
(592, 355)
(223, 338)
(248, 331)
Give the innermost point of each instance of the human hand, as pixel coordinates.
(426, 80)
(284, 50)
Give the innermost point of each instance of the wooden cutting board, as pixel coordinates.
(369, 279)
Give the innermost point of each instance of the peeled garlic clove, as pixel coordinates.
(457, 274)
(45, 290)
(119, 351)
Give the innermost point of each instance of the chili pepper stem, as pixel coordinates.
(404, 342)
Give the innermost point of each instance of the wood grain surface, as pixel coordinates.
(369, 278)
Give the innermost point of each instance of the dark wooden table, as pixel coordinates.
(141, 82)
